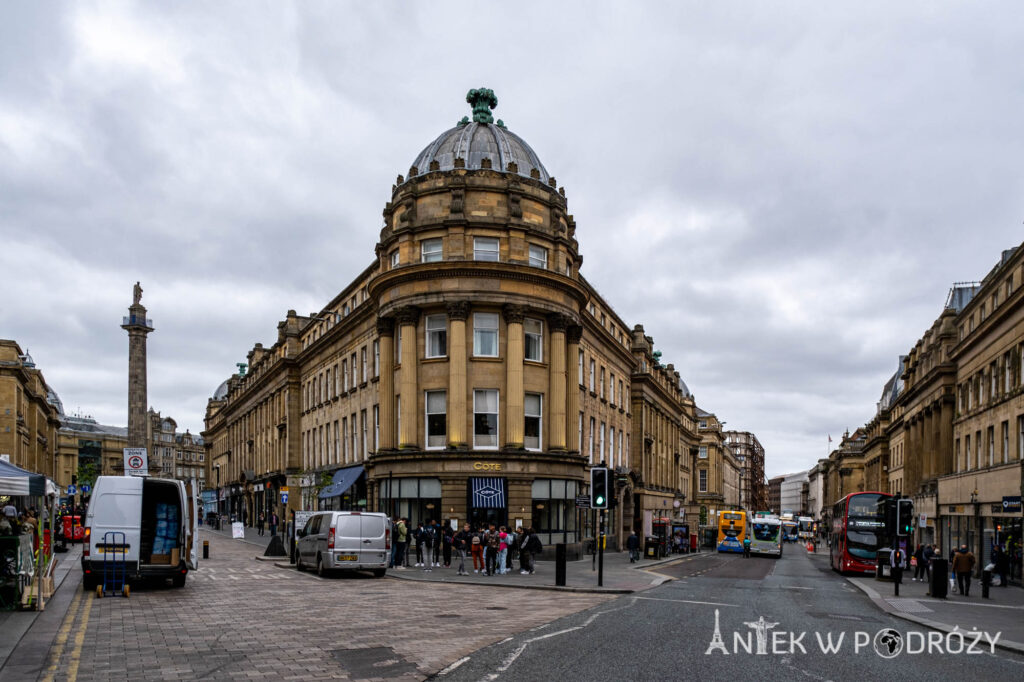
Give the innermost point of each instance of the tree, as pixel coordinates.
(87, 473)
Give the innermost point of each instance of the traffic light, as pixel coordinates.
(599, 488)
(904, 517)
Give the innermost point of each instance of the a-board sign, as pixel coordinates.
(136, 462)
(300, 522)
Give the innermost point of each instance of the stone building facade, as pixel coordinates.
(716, 477)
(29, 413)
(749, 455)
(470, 372)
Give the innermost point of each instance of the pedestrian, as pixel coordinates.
(418, 537)
(259, 524)
(491, 543)
(917, 562)
(429, 540)
(1002, 562)
(513, 548)
(476, 548)
(524, 551)
(274, 522)
(746, 547)
(401, 539)
(532, 546)
(503, 540)
(436, 538)
(963, 564)
(927, 555)
(460, 542)
(633, 545)
(448, 536)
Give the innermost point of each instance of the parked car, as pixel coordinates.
(345, 540)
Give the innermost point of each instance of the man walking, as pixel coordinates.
(746, 548)
(259, 524)
(963, 564)
(401, 539)
(273, 523)
(461, 542)
(491, 550)
(633, 545)
(428, 538)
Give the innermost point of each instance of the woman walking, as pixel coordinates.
(503, 541)
(476, 548)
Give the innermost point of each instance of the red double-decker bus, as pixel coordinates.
(858, 532)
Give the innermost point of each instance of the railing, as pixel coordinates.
(136, 319)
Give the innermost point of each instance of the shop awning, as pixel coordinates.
(487, 493)
(341, 482)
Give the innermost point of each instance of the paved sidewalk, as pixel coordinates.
(1003, 612)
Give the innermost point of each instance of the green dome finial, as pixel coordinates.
(483, 100)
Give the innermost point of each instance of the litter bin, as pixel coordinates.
(652, 547)
(986, 583)
(939, 587)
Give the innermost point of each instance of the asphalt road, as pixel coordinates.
(667, 633)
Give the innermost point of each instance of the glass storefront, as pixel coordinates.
(554, 510)
(995, 530)
(417, 499)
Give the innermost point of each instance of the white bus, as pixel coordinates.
(806, 527)
(766, 536)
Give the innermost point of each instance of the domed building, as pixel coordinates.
(470, 373)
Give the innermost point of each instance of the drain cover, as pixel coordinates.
(447, 615)
(496, 608)
(380, 662)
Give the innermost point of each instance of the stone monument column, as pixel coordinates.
(386, 335)
(572, 398)
(457, 314)
(556, 401)
(138, 326)
(407, 318)
(514, 397)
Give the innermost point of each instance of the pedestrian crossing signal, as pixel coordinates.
(599, 492)
(904, 517)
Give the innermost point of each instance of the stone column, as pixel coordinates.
(572, 392)
(138, 327)
(457, 313)
(556, 398)
(514, 397)
(386, 335)
(407, 318)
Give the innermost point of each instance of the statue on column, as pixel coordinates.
(137, 294)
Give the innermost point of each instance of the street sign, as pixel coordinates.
(284, 497)
(72, 490)
(583, 502)
(86, 488)
(1012, 504)
(136, 462)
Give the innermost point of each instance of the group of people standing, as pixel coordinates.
(493, 549)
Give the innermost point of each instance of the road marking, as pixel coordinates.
(793, 587)
(685, 601)
(62, 638)
(453, 666)
(76, 652)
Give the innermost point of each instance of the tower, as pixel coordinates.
(138, 326)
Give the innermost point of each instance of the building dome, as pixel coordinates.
(478, 139)
(221, 392)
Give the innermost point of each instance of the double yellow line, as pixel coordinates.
(79, 613)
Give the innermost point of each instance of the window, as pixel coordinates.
(431, 250)
(967, 450)
(602, 383)
(364, 435)
(354, 370)
(344, 439)
(337, 381)
(1020, 437)
(485, 248)
(437, 336)
(531, 427)
(620, 446)
(344, 376)
(601, 433)
(485, 335)
(581, 367)
(593, 371)
(568, 268)
(437, 416)
(337, 439)
(622, 396)
(611, 446)
(1006, 442)
(590, 447)
(534, 330)
(327, 382)
(538, 257)
(485, 418)
(355, 442)
(579, 433)
(362, 356)
(702, 452)
(703, 424)
(376, 427)
(376, 358)
(702, 485)
(991, 445)
(394, 258)
(611, 389)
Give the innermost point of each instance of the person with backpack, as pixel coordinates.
(491, 543)
(503, 540)
(429, 537)
(476, 548)
(531, 547)
(417, 535)
(461, 542)
(448, 537)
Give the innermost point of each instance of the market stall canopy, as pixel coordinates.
(17, 481)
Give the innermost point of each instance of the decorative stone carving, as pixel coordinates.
(535, 173)
(559, 322)
(409, 314)
(385, 326)
(458, 195)
(435, 165)
(512, 167)
(483, 100)
(413, 171)
(458, 310)
(485, 162)
(574, 333)
(459, 162)
(409, 214)
(556, 219)
(513, 314)
(514, 208)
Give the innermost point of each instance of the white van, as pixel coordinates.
(159, 519)
(339, 540)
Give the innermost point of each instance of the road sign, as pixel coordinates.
(86, 488)
(583, 502)
(72, 490)
(136, 462)
(284, 497)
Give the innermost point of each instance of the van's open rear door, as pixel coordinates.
(191, 524)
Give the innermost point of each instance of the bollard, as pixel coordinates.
(986, 582)
(560, 564)
(206, 549)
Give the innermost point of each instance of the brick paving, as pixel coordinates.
(238, 618)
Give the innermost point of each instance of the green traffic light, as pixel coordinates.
(600, 499)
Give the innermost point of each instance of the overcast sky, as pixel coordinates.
(781, 193)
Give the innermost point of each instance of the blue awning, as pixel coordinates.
(487, 493)
(341, 482)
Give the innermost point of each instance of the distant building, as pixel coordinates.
(775, 494)
(29, 413)
(749, 455)
(791, 493)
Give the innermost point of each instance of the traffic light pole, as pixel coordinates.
(600, 552)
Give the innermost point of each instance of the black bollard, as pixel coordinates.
(560, 564)
(206, 549)
(986, 582)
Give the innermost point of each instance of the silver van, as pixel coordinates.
(345, 540)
